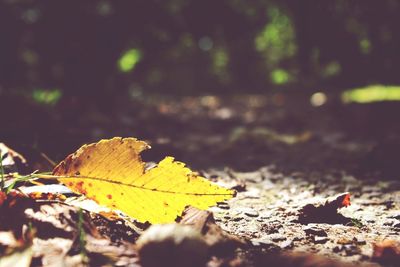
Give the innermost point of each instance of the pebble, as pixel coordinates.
(264, 243)
(314, 231)
(237, 218)
(251, 213)
(360, 241)
(286, 244)
(345, 241)
(223, 205)
(337, 249)
(320, 239)
(297, 238)
(278, 237)
(388, 223)
(351, 250)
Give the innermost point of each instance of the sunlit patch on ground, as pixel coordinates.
(372, 93)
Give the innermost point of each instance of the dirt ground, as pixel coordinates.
(267, 213)
(278, 151)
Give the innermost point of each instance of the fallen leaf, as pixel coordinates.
(12, 161)
(219, 241)
(112, 173)
(325, 211)
(172, 245)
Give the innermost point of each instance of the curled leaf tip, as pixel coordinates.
(346, 200)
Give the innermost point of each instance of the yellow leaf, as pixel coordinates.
(112, 173)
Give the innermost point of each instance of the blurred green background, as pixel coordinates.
(105, 48)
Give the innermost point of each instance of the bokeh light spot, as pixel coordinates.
(129, 59)
(46, 97)
(318, 99)
(205, 43)
(280, 76)
(372, 93)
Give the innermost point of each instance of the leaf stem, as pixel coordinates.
(82, 235)
(1, 173)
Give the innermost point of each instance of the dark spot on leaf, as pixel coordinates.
(90, 184)
(67, 163)
(77, 173)
(109, 196)
(80, 184)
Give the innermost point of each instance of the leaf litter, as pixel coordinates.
(64, 234)
(265, 213)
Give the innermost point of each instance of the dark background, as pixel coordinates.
(188, 76)
(197, 47)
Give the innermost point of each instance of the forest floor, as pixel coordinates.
(282, 155)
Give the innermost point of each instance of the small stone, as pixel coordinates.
(223, 205)
(266, 243)
(351, 250)
(397, 225)
(337, 249)
(388, 223)
(320, 239)
(255, 243)
(217, 219)
(360, 241)
(297, 238)
(278, 237)
(286, 244)
(251, 213)
(237, 218)
(315, 231)
(344, 241)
